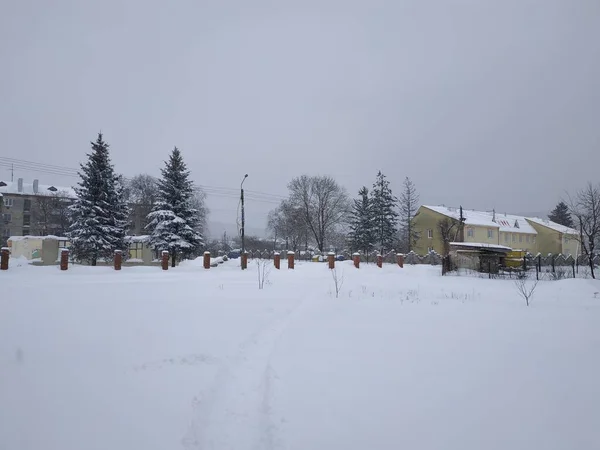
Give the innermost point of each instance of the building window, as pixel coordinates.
(533, 239)
(6, 218)
(527, 238)
(470, 232)
(505, 237)
(135, 250)
(6, 233)
(430, 234)
(25, 231)
(520, 238)
(514, 238)
(490, 233)
(26, 220)
(8, 202)
(27, 205)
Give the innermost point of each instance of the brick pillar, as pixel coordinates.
(64, 259)
(244, 257)
(290, 256)
(118, 259)
(4, 256)
(356, 259)
(277, 260)
(164, 259)
(379, 261)
(400, 260)
(331, 260)
(207, 260)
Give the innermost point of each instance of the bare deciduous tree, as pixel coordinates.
(448, 229)
(140, 193)
(409, 202)
(585, 207)
(287, 222)
(338, 281)
(526, 288)
(50, 213)
(323, 202)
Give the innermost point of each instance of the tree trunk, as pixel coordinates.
(173, 259)
(592, 265)
(93, 262)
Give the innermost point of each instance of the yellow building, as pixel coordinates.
(555, 238)
(524, 234)
(479, 227)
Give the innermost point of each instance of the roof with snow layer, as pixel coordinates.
(506, 223)
(12, 187)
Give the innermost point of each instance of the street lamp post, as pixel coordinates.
(243, 219)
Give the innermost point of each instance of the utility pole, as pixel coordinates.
(243, 218)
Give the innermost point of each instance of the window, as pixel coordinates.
(26, 220)
(490, 233)
(470, 232)
(430, 234)
(27, 205)
(527, 238)
(25, 231)
(514, 238)
(6, 218)
(520, 238)
(505, 237)
(6, 233)
(8, 202)
(135, 250)
(533, 239)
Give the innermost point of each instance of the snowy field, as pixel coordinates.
(202, 359)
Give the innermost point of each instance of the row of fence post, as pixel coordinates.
(118, 260)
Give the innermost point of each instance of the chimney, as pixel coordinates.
(20, 185)
(494, 215)
(36, 186)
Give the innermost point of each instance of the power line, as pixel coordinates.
(217, 191)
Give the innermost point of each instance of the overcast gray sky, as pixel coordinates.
(482, 103)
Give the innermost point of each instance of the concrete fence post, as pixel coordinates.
(4, 257)
(64, 259)
(206, 260)
(400, 260)
(277, 260)
(164, 259)
(118, 260)
(356, 259)
(290, 256)
(331, 260)
(380, 261)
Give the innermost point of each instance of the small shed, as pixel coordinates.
(483, 257)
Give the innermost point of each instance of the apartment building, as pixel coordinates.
(32, 208)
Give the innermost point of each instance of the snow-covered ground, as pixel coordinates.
(202, 359)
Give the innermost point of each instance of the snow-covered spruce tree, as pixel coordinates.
(173, 222)
(99, 215)
(562, 215)
(361, 222)
(385, 216)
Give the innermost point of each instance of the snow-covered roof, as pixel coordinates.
(553, 225)
(481, 245)
(507, 223)
(12, 187)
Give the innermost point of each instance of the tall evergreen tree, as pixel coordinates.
(561, 215)
(409, 200)
(100, 216)
(362, 233)
(173, 221)
(385, 216)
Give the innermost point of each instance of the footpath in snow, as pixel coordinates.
(202, 359)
